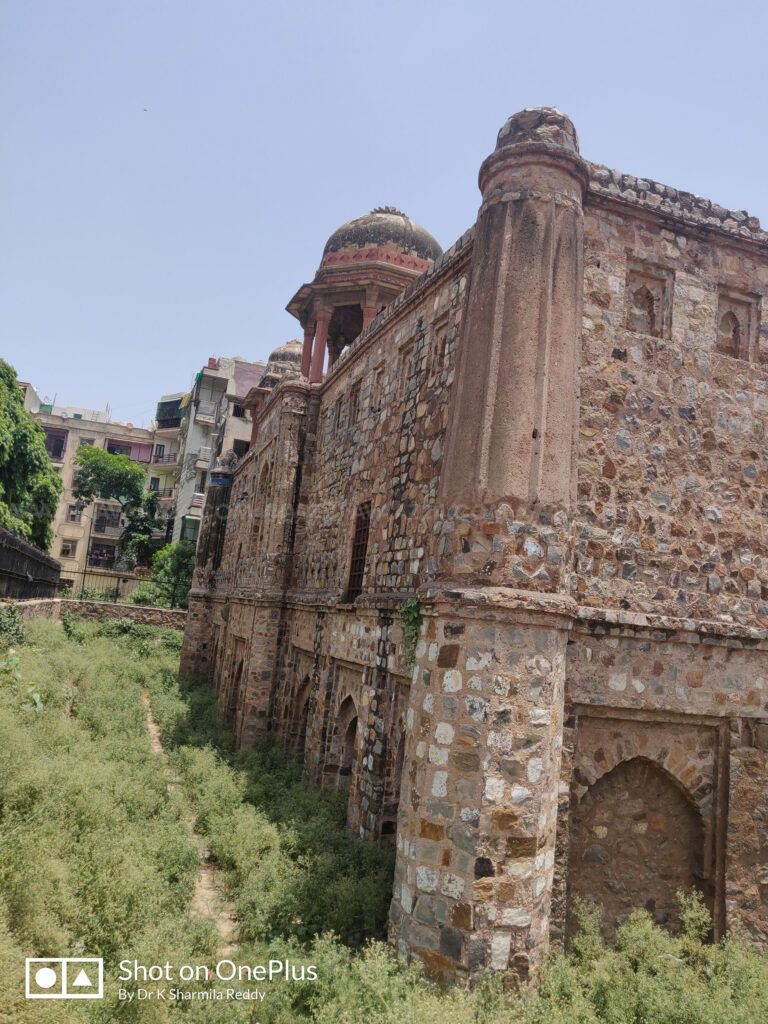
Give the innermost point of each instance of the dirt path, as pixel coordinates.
(208, 899)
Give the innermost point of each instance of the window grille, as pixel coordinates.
(359, 551)
(354, 403)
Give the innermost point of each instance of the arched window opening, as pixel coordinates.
(359, 551)
(643, 314)
(345, 325)
(729, 335)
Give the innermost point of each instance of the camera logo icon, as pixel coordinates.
(64, 977)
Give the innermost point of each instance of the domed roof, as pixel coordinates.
(284, 362)
(290, 352)
(385, 225)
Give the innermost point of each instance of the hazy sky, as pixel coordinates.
(172, 168)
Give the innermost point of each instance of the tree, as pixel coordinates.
(172, 568)
(137, 544)
(100, 474)
(29, 485)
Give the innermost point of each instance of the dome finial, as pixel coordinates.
(389, 209)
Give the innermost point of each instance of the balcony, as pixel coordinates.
(205, 412)
(103, 558)
(163, 492)
(106, 529)
(167, 459)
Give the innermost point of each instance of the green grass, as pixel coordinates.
(95, 857)
(293, 868)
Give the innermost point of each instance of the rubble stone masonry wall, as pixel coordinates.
(552, 444)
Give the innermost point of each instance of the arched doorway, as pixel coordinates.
(392, 787)
(301, 717)
(234, 692)
(636, 838)
(347, 736)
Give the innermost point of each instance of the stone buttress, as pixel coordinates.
(476, 830)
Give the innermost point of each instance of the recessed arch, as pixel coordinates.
(636, 838)
(729, 335)
(643, 312)
(346, 741)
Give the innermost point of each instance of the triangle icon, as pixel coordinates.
(82, 980)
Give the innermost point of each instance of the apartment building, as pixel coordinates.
(86, 541)
(215, 424)
(163, 471)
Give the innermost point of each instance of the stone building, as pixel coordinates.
(547, 453)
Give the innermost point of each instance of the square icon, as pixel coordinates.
(64, 977)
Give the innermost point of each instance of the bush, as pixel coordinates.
(294, 869)
(94, 848)
(72, 629)
(151, 595)
(11, 626)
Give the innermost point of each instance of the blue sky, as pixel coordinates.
(170, 169)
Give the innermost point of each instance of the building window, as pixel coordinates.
(159, 452)
(68, 549)
(116, 448)
(354, 403)
(337, 416)
(102, 556)
(87, 440)
(238, 411)
(107, 520)
(55, 442)
(74, 514)
(359, 551)
(154, 483)
(240, 448)
(190, 526)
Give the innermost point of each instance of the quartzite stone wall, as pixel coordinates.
(561, 432)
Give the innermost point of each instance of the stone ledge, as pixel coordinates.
(51, 608)
(663, 200)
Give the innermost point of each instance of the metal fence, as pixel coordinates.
(26, 571)
(123, 588)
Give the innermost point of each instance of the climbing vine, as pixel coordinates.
(410, 613)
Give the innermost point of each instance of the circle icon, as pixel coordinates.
(45, 977)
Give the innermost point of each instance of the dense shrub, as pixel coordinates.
(293, 867)
(73, 630)
(11, 626)
(94, 850)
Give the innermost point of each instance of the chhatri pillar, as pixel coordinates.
(478, 808)
(321, 340)
(306, 352)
